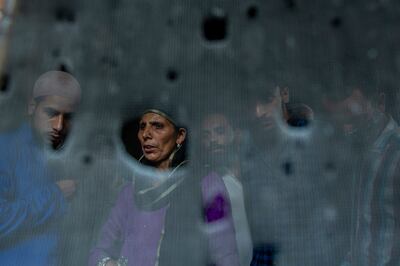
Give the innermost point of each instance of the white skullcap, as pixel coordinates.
(57, 83)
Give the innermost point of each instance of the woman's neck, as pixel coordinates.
(164, 165)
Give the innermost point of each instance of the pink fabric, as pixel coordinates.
(135, 234)
(219, 221)
(130, 233)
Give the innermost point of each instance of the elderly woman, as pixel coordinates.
(134, 232)
(131, 235)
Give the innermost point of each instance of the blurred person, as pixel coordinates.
(266, 110)
(284, 191)
(32, 203)
(221, 186)
(219, 141)
(270, 114)
(359, 113)
(272, 106)
(132, 235)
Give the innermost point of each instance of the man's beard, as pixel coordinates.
(56, 140)
(223, 158)
(365, 130)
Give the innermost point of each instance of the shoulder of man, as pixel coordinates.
(394, 138)
(9, 148)
(19, 134)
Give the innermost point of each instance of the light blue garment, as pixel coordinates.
(30, 202)
(374, 237)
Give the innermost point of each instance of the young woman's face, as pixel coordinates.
(158, 138)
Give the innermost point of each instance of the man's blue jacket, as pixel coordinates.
(30, 202)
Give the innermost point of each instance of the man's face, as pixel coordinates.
(265, 113)
(350, 114)
(217, 135)
(51, 119)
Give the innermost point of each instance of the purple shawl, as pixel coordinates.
(135, 234)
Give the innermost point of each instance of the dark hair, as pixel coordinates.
(231, 115)
(263, 96)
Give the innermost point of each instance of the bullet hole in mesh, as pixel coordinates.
(300, 115)
(129, 137)
(287, 168)
(336, 22)
(215, 25)
(87, 159)
(291, 4)
(252, 12)
(4, 83)
(172, 75)
(64, 68)
(65, 14)
(298, 122)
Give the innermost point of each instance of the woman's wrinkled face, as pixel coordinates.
(158, 138)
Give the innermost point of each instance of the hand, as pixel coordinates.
(67, 187)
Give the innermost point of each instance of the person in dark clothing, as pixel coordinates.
(289, 215)
(359, 112)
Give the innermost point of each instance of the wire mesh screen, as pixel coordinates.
(183, 132)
